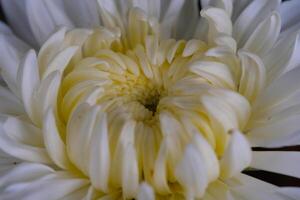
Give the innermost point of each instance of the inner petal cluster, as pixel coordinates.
(160, 112)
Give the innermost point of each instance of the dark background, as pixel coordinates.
(276, 179)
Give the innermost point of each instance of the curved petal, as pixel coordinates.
(145, 192)
(44, 17)
(237, 155)
(249, 19)
(53, 142)
(15, 12)
(28, 81)
(264, 36)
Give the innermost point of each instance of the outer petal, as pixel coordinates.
(11, 52)
(289, 11)
(88, 17)
(15, 11)
(279, 162)
(44, 18)
(50, 187)
(264, 36)
(249, 19)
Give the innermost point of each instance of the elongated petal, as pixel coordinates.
(79, 132)
(283, 57)
(289, 14)
(44, 17)
(253, 75)
(249, 19)
(219, 22)
(99, 165)
(22, 151)
(29, 80)
(286, 163)
(15, 12)
(52, 186)
(130, 175)
(237, 156)
(24, 172)
(11, 52)
(264, 36)
(53, 142)
(191, 173)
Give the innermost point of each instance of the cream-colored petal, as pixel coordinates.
(191, 173)
(237, 155)
(99, 156)
(79, 133)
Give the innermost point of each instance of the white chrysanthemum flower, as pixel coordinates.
(148, 99)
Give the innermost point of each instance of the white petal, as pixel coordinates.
(169, 16)
(189, 12)
(145, 192)
(15, 11)
(289, 13)
(226, 5)
(50, 49)
(46, 95)
(88, 17)
(219, 22)
(209, 157)
(28, 80)
(275, 133)
(253, 75)
(191, 173)
(237, 155)
(264, 36)
(292, 192)
(9, 103)
(61, 60)
(50, 187)
(22, 151)
(160, 170)
(283, 57)
(23, 132)
(100, 154)
(286, 163)
(53, 142)
(11, 52)
(44, 18)
(279, 92)
(249, 188)
(249, 19)
(24, 172)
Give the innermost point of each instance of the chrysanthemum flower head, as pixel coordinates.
(148, 99)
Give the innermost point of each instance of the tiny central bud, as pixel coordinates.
(152, 103)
